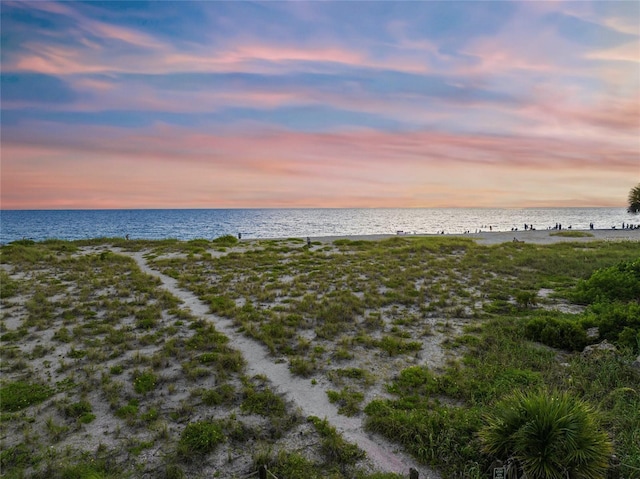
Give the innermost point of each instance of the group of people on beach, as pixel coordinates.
(628, 226)
(527, 227)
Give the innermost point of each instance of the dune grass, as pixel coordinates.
(85, 333)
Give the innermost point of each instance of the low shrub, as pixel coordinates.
(226, 240)
(144, 381)
(617, 322)
(414, 380)
(620, 282)
(78, 409)
(223, 394)
(199, 438)
(129, 412)
(265, 403)
(557, 332)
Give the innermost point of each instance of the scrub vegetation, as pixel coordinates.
(429, 340)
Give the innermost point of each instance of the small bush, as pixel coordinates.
(265, 403)
(130, 411)
(223, 394)
(78, 409)
(226, 240)
(617, 322)
(222, 305)
(557, 333)
(199, 438)
(144, 382)
(415, 380)
(526, 299)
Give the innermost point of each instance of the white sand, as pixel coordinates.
(497, 237)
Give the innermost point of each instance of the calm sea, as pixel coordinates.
(283, 223)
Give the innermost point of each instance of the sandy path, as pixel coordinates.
(311, 400)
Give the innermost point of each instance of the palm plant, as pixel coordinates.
(550, 435)
(634, 199)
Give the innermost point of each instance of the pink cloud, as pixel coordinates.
(153, 55)
(114, 32)
(171, 143)
(174, 167)
(628, 52)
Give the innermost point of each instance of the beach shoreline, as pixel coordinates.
(498, 237)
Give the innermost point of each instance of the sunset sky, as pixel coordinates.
(319, 104)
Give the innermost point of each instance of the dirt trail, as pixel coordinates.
(310, 399)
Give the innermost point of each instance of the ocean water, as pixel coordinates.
(188, 224)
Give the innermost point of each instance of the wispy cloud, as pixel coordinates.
(319, 104)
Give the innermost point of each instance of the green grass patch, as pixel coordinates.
(226, 240)
(264, 403)
(144, 381)
(199, 438)
(18, 395)
(572, 234)
(348, 401)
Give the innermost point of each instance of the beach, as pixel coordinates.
(497, 237)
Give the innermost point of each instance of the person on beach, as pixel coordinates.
(308, 242)
(239, 236)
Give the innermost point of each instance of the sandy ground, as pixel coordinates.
(497, 237)
(311, 400)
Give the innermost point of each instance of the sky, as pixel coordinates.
(207, 104)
